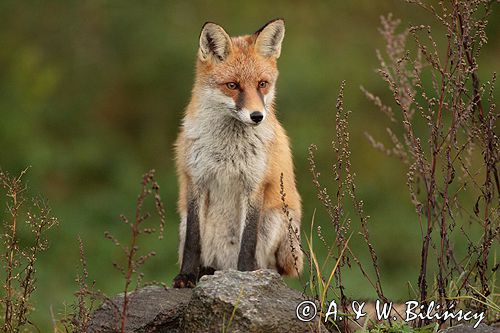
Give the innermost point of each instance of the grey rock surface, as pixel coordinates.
(229, 301)
(233, 301)
(151, 309)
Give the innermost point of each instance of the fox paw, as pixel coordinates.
(206, 271)
(185, 281)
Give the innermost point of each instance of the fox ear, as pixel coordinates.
(215, 43)
(269, 38)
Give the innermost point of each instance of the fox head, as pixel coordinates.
(236, 76)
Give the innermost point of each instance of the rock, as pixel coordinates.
(229, 301)
(482, 328)
(151, 309)
(233, 301)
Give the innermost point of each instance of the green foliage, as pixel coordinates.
(401, 328)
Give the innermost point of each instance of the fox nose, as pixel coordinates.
(256, 116)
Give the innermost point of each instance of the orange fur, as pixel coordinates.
(248, 68)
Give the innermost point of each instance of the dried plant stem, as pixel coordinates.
(12, 247)
(457, 124)
(346, 192)
(19, 261)
(149, 187)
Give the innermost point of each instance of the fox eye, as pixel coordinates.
(263, 84)
(232, 85)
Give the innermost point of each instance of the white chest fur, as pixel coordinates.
(227, 162)
(227, 151)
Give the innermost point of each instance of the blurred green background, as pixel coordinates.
(92, 94)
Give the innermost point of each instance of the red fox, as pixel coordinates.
(230, 154)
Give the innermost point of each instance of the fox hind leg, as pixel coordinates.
(278, 245)
(289, 257)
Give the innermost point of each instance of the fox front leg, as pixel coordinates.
(246, 258)
(192, 249)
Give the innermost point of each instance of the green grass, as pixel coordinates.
(401, 328)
